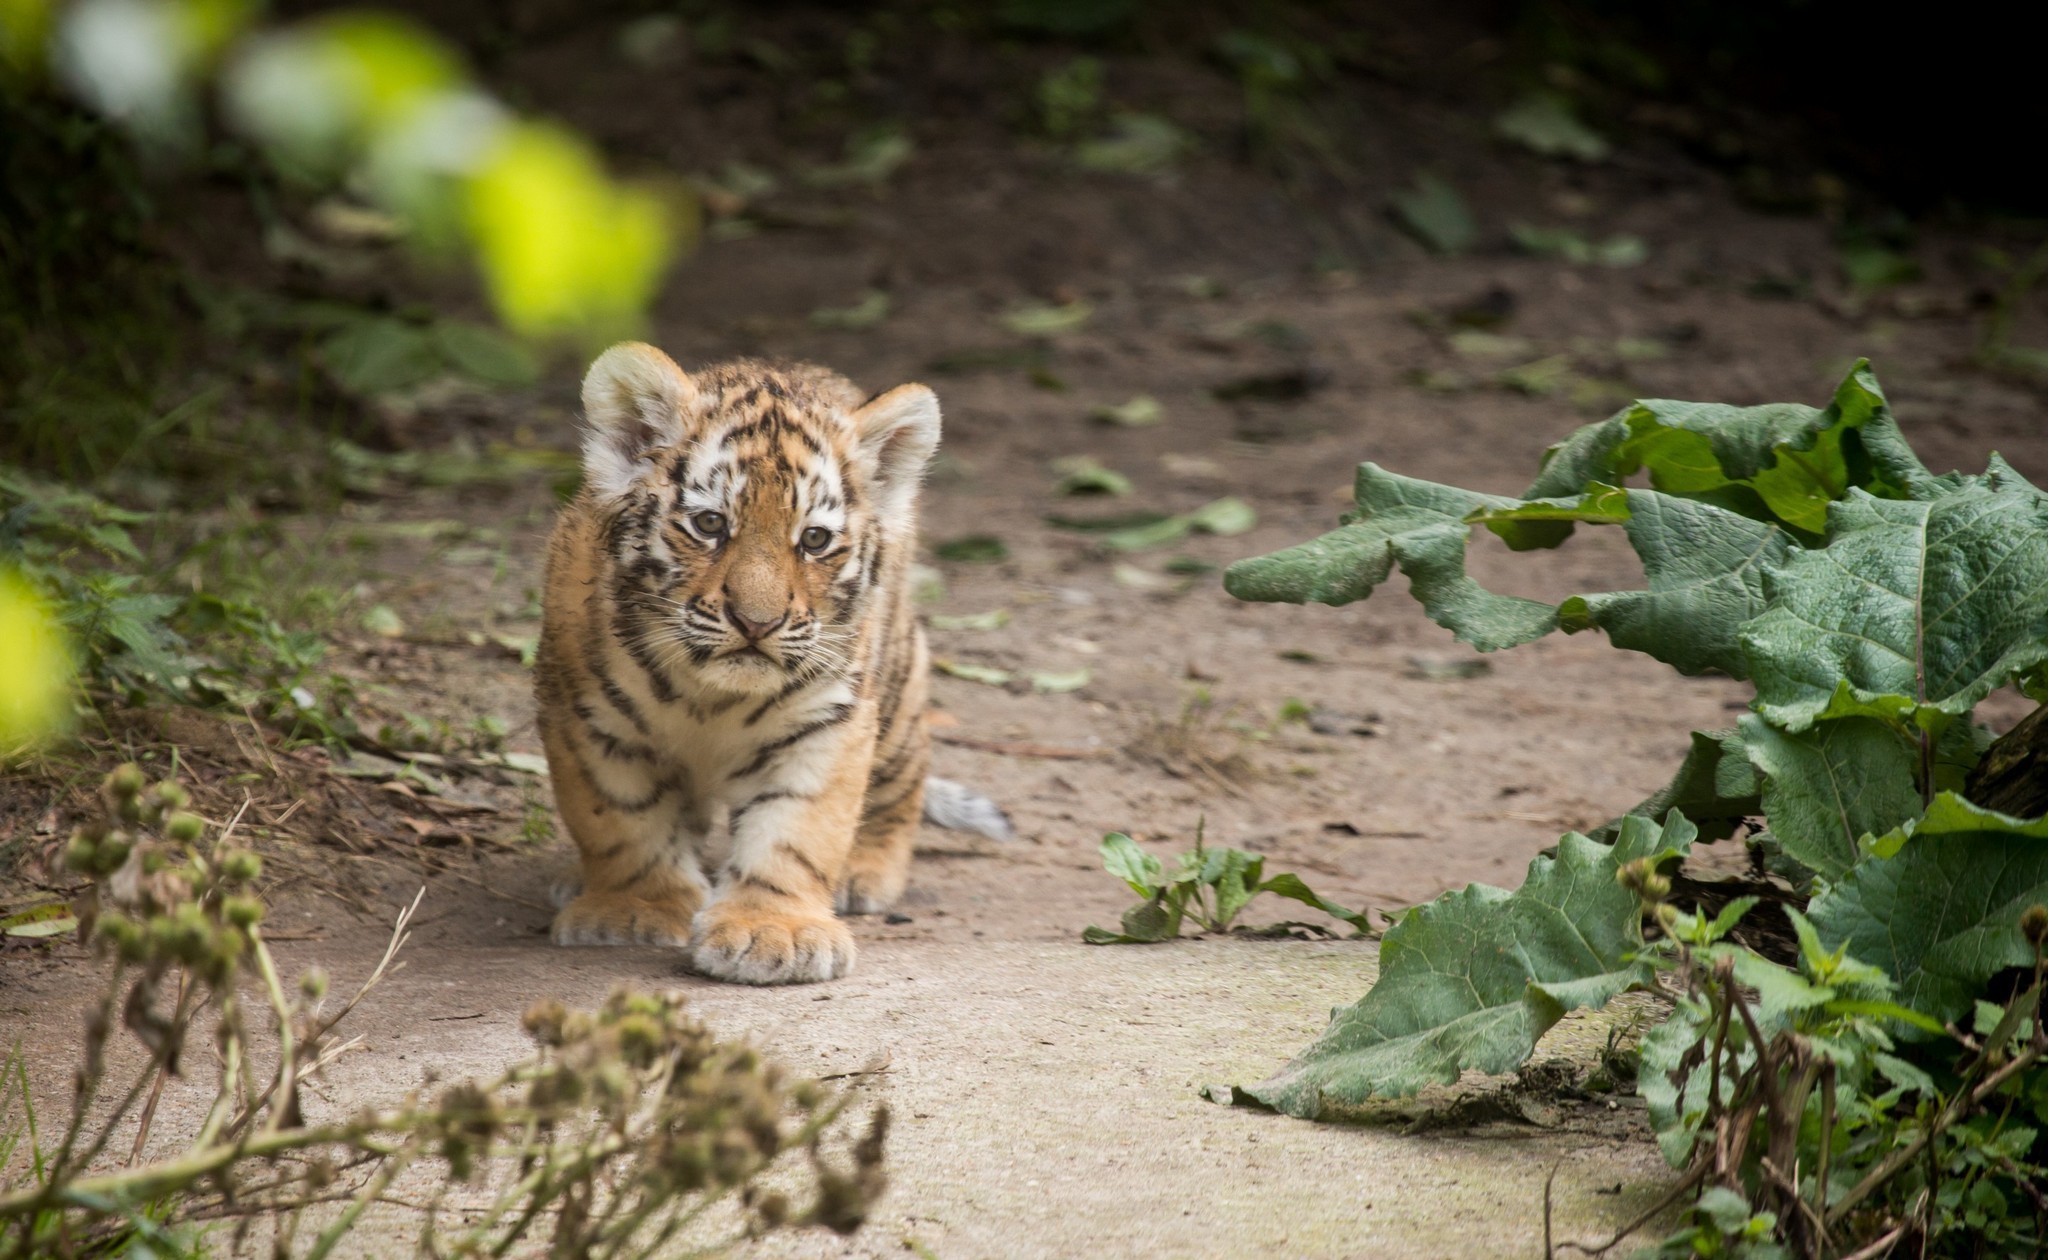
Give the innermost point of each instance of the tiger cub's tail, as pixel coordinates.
(955, 805)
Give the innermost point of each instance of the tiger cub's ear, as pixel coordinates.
(634, 400)
(898, 431)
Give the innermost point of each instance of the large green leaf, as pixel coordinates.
(1705, 566)
(1474, 978)
(1827, 788)
(1715, 787)
(1913, 612)
(1781, 462)
(1939, 906)
(1418, 525)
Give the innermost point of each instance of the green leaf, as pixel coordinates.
(1419, 525)
(1141, 411)
(1715, 787)
(1544, 123)
(1053, 682)
(1913, 612)
(1122, 858)
(993, 619)
(1289, 885)
(1138, 144)
(1474, 978)
(1781, 462)
(1438, 217)
(871, 310)
(1040, 320)
(972, 549)
(486, 354)
(1827, 788)
(1225, 517)
(988, 675)
(1941, 914)
(1083, 474)
(1538, 523)
(380, 356)
(1706, 568)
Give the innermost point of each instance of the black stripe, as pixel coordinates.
(835, 715)
(646, 869)
(898, 762)
(765, 885)
(803, 859)
(675, 781)
(789, 689)
(762, 798)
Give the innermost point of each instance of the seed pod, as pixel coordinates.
(81, 854)
(125, 781)
(184, 827)
(171, 795)
(242, 911)
(113, 852)
(2034, 925)
(313, 983)
(123, 933)
(241, 866)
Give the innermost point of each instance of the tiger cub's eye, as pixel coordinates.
(709, 524)
(816, 538)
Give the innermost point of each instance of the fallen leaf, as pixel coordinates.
(986, 674)
(1057, 682)
(1437, 216)
(993, 619)
(972, 549)
(1141, 411)
(1544, 123)
(1082, 474)
(1039, 319)
(871, 310)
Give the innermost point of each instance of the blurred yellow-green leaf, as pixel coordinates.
(562, 248)
(24, 34)
(37, 677)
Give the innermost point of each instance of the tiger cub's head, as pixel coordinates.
(749, 510)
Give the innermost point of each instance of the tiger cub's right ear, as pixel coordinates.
(635, 399)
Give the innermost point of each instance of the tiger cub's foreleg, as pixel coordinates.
(771, 921)
(630, 822)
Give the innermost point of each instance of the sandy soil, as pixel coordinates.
(1048, 1090)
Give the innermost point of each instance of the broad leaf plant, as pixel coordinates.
(1872, 604)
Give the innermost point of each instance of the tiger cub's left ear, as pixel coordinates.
(898, 431)
(635, 399)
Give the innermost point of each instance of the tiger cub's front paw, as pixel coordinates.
(619, 919)
(752, 945)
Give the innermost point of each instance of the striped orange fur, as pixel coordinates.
(731, 680)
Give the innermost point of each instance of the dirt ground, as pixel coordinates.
(1046, 1090)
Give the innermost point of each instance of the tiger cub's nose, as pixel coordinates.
(755, 631)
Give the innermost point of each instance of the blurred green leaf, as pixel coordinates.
(987, 675)
(381, 356)
(1437, 216)
(1544, 123)
(871, 310)
(1141, 411)
(486, 354)
(1041, 320)
(993, 619)
(562, 249)
(1138, 144)
(1082, 474)
(972, 549)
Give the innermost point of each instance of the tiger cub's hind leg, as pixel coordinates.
(879, 865)
(638, 879)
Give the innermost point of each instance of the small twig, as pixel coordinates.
(1549, 1251)
(1685, 1185)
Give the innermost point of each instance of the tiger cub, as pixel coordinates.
(731, 680)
